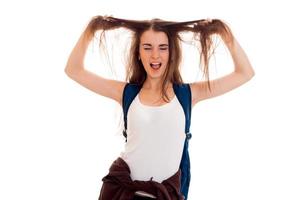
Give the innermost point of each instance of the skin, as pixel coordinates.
(113, 89)
(153, 49)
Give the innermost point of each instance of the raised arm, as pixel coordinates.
(241, 62)
(75, 70)
(242, 73)
(75, 61)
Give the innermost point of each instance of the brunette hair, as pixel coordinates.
(202, 31)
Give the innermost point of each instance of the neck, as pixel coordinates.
(154, 85)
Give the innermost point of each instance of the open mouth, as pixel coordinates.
(155, 65)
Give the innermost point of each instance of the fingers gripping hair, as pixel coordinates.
(202, 30)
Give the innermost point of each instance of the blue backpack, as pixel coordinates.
(183, 93)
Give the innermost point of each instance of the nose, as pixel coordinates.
(155, 53)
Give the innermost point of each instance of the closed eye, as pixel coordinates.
(160, 48)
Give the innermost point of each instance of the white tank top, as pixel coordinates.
(155, 140)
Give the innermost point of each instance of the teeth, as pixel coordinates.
(155, 65)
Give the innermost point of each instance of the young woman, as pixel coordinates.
(149, 166)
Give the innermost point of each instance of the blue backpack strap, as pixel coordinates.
(183, 93)
(129, 93)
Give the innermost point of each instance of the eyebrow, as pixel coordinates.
(161, 45)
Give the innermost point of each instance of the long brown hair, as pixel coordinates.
(202, 30)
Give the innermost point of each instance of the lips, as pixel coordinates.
(155, 65)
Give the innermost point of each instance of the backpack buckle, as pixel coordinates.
(189, 135)
(125, 135)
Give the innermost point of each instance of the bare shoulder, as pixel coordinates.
(109, 88)
(116, 90)
(193, 93)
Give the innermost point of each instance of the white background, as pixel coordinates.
(58, 139)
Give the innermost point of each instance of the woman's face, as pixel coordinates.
(154, 52)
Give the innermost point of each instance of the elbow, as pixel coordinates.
(251, 74)
(247, 74)
(67, 71)
(250, 71)
(70, 71)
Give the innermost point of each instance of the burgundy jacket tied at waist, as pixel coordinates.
(118, 185)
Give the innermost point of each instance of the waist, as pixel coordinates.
(153, 159)
(119, 175)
